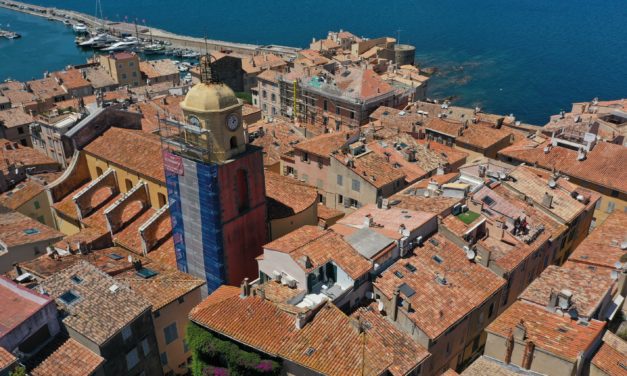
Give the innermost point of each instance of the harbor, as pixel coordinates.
(141, 38)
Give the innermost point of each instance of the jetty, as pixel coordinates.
(126, 28)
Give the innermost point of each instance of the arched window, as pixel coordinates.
(233, 142)
(161, 198)
(241, 190)
(129, 184)
(98, 171)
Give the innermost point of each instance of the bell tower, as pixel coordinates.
(212, 107)
(216, 185)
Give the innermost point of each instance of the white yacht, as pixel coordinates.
(125, 44)
(79, 28)
(99, 40)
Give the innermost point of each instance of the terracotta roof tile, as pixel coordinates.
(21, 194)
(14, 117)
(6, 359)
(561, 336)
(133, 150)
(70, 359)
(602, 246)
(483, 136)
(277, 139)
(324, 144)
(20, 304)
(485, 366)
(19, 155)
(17, 229)
(287, 196)
(588, 290)
(373, 168)
(72, 79)
(46, 88)
(98, 313)
(467, 286)
(612, 356)
(321, 246)
(603, 164)
(435, 204)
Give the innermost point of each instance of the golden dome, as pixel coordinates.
(210, 97)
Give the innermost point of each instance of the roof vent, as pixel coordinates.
(441, 280)
(113, 288)
(623, 245)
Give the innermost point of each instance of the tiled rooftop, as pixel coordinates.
(612, 356)
(534, 185)
(373, 168)
(438, 306)
(287, 196)
(104, 306)
(602, 247)
(603, 164)
(560, 336)
(136, 151)
(12, 154)
(484, 366)
(17, 229)
(277, 139)
(433, 204)
(14, 117)
(324, 144)
(46, 88)
(483, 136)
(6, 359)
(319, 247)
(21, 194)
(588, 291)
(19, 304)
(168, 285)
(329, 343)
(72, 79)
(390, 219)
(70, 359)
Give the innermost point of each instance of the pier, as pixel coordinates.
(119, 28)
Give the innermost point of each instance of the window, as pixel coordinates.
(98, 171)
(43, 220)
(491, 310)
(340, 180)
(132, 359)
(164, 358)
(264, 94)
(273, 110)
(145, 346)
(353, 203)
(127, 333)
(185, 346)
(305, 157)
(356, 186)
(610, 207)
(129, 184)
(69, 297)
(134, 74)
(124, 76)
(161, 199)
(157, 314)
(233, 142)
(131, 64)
(265, 107)
(598, 205)
(273, 97)
(181, 299)
(170, 333)
(241, 189)
(337, 110)
(614, 193)
(20, 130)
(340, 199)
(36, 204)
(23, 142)
(325, 105)
(352, 114)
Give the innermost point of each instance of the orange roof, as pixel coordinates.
(16, 229)
(329, 343)
(12, 153)
(70, 359)
(483, 135)
(588, 290)
(135, 151)
(15, 117)
(603, 164)
(319, 247)
(72, 79)
(602, 246)
(560, 336)
(21, 194)
(434, 204)
(484, 366)
(287, 196)
(46, 88)
(324, 144)
(445, 126)
(6, 359)
(438, 306)
(373, 168)
(277, 139)
(612, 356)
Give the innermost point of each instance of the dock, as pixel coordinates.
(177, 41)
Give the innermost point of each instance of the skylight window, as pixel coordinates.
(410, 267)
(437, 259)
(31, 231)
(69, 297)
(310, 351)
(115, 256)
(146, 273)
(398, 274)
(76, 279)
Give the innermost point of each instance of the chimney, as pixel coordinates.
(520, 331)
(18, 269)
(581, 154)
(528, 355)
(510, 347)
(301, 320)
(245, 289)
(552, 300)
(394, 308)
(564, 299)
(547, 200)
(368, 221)
(622, 282)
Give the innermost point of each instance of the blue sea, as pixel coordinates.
(529, 58)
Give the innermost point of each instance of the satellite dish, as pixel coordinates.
(618, 265)
(381, 307)
(470, 254)
(552, 183)
(614, 275)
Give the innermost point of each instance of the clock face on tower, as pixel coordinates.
(232, 122)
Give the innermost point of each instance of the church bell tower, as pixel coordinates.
(216, 185)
